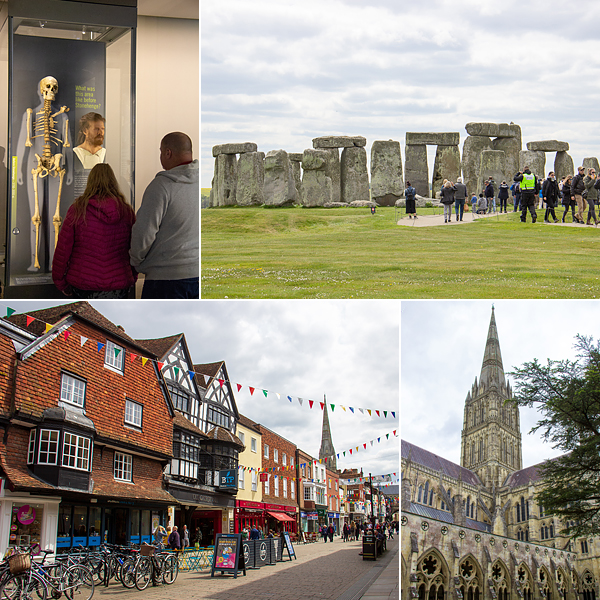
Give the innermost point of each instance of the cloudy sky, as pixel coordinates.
(280, 73)
(347, 350)
(442, 346)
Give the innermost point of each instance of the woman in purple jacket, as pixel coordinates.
(91, 259)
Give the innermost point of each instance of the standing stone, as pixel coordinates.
(354, 175)
(511, 148)
(563, 165)
(316, 185)
(250, 179)
(333, 171)
(279, 187)
(415, 169)
(445, 166)
(591, 162)
(296, 162)
(492, 163)
(471, 161)
(387, 184)
(225, 180)
(535, 159)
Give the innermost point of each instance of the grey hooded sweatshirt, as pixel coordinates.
(166, 237)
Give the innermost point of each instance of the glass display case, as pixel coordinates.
(70, 68)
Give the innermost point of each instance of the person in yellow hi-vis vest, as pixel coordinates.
(529, 190)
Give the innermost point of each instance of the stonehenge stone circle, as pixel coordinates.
(339, 141)
(250, 179)
(535, 160)
(234, 148)
(432, 139)
(279, 180)
(316, 185)
(415, 168)
(563, 165)
(548, 146)
(224, 180)
(445, 166)
(354, 175)
(296, 161)
(387, 184)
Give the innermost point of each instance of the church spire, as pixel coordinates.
(492, 371)
(327, 450)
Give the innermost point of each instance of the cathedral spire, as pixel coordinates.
(327, 450)
(492, 370)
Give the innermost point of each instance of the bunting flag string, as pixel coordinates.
(132, 357)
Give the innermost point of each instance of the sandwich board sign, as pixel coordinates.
(286, 543)
(229, 554)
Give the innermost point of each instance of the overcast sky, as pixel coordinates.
(279, 73)
(442, 348)
(348, 350)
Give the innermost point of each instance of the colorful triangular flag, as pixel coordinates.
(10, 312)
(30, 320)
(83, 340)
(100, 346)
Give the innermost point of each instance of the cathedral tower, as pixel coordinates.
(491, 435)
(327, 450)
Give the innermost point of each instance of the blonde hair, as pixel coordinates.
(102, 184)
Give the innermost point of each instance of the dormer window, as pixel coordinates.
(114, 357)
(72, 390)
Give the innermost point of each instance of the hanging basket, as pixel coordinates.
(19, 563)
(147, 550)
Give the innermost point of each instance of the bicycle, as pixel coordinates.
(160, 567)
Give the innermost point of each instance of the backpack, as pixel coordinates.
(410, 193)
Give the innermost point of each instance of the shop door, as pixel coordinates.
(121, 526)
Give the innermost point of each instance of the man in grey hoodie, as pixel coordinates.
(165, 238)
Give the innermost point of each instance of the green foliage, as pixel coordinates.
(567, 395)
(350, 253)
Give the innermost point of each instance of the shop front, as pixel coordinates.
(309, 521)
(112, 521)
(248, 515)
(27, 520)
(281, 518)
(333, 518)
(322, 517)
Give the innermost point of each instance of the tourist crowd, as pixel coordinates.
(527, 191)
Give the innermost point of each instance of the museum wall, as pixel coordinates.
(167, 95)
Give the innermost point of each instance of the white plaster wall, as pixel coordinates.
(167, 90)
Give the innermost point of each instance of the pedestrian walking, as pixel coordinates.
(447, 199)
(323, 531)
(550, 193)
(185, 535)
(503, 196)
(460, 197)
(577, 189)
(529, 190)
(330, 532)
(589, 182)
(174, 540)
(410, 195)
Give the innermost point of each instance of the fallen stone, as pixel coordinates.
(354, 175)
(250, 179)
(548, 146)
(234, 148)
(433, 139)
(339, 141)
(415, 168)
(279, 189)
(387, 183)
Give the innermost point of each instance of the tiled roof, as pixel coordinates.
(437, 463)
(160, 346)
(144, 489)
(218, 433)
(209, 370)
(184, 423)
(246, 422)
(81, 309)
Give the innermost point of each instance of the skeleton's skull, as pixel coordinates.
(48, 87)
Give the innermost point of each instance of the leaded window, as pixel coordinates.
(217, 417)
(133, 413)
(186, 455)
(114, 356)
(31, 448)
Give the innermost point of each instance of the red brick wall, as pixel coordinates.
(274, 441)
(333, 491)
(39, 378)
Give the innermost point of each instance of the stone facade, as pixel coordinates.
(475, 531)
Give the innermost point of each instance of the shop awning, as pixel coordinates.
(280, 516)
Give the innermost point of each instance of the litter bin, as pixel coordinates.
(369, 545)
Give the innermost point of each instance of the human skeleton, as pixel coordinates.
(45, 126)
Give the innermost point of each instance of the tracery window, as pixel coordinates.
(500, 580)
(470, 581)
(432, 580)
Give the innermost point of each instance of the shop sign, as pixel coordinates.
(313, 516)
(228, 555)
(264, 477)
(228, 480)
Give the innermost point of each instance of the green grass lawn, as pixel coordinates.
(350, 253)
